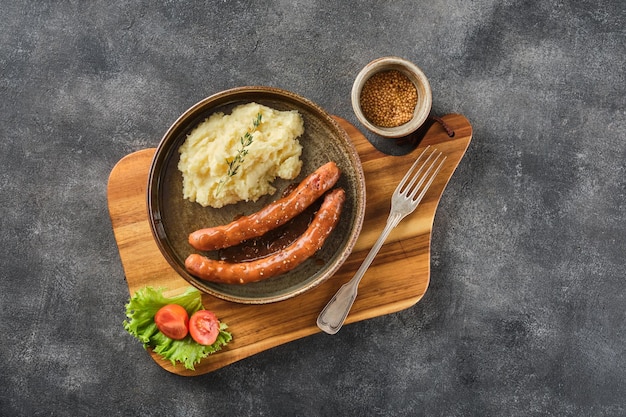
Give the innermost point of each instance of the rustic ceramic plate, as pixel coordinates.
(172, 218)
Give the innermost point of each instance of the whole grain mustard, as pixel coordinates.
(388, 98)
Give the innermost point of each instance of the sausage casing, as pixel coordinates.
(282, 261)
(270, 217)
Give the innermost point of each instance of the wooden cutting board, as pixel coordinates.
(397, 279)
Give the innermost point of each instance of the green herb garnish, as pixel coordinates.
(235, 163)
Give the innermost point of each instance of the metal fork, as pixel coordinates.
(404, 201)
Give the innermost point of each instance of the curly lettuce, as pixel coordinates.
(140, 311)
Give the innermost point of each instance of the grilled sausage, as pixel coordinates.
(275, 214)
(282, 261)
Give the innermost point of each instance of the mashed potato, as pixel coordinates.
(274, 151)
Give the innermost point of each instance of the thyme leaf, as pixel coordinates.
(235, 163)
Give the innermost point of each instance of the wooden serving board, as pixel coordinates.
(397, 279)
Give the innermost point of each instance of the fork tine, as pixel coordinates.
(430, 179)
(412, 188)
(423, 176)
(401, 187)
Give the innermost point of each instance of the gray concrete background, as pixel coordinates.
(525, 312)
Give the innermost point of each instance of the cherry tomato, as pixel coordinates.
(173, 321)
(204, 327)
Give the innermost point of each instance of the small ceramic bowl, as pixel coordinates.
(417, 78)
(172, 218)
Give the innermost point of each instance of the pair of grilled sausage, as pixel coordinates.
(272, 216)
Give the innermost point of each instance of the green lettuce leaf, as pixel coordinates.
(140, 311)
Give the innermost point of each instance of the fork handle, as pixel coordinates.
(336, 311)
(334, 314)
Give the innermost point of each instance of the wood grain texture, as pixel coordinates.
(397, 279)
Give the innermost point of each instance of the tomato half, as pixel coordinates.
(204, 327)
(173, 321)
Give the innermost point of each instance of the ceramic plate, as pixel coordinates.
(172, 218)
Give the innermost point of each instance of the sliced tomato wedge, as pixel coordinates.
(204, 327)
(173, 321)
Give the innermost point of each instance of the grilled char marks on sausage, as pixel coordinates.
(270, 217)
(280, 262)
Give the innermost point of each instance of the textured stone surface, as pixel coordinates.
(526, 309)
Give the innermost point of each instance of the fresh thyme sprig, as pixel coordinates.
(235, 163)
